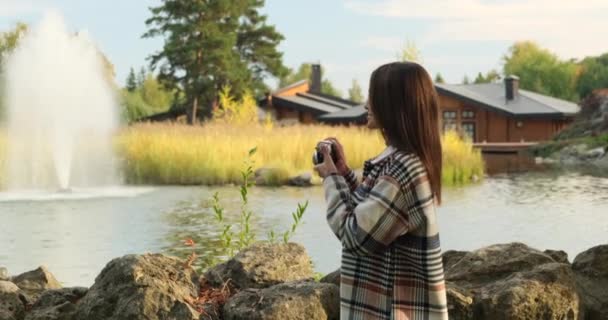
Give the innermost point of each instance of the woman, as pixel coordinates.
(391, 257)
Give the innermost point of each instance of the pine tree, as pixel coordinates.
(131, 84)
(211, 44)
(439, 78)
(355, 93)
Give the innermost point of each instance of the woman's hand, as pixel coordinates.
(327, 167)
(340, 163)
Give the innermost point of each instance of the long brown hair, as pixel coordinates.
(404, 103)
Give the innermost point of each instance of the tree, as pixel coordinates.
(355, 93)
(466, 80)
(409, 52)
(593, 75)
(141, 77)
(304, 72)
(439, 78)
(131, 81)
(541, 71)
(9, 40)
(480, 79)
(211, 44)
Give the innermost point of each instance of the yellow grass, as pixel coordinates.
(214, 153)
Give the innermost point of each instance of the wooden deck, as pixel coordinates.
(504, 147)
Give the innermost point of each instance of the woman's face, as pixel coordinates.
(371, 121)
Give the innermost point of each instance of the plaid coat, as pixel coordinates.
(391, 258)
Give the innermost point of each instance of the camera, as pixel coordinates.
(317, 156)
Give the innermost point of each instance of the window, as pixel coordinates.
(468, 114)
(468, 128)
(449, 120)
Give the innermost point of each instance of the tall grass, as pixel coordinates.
(213, 153)
(461, 162)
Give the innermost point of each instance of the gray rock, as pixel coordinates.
(57, 304)
(510, 281)
(451, 257)
(150, 286)
(3, 274)
(558, 255)
(289, 301)
(12, 301)
(303, 180)
(460, 303)
(591, 269)
(263, 265)
(333, 277)
(594, 153)
(34, 282)
(270, 176)
(546, 292)
(496, 262)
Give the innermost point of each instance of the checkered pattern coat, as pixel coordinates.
(391, 257)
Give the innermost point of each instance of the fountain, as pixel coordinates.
(61, 112)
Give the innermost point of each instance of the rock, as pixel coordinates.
(12, 301)
(57, 304)
(546, 292)
(594, 153)
(451, 257)
(558, 255)
(3, 274)
(150, 286)
(34, 282)
(289, 301)
(270, 176)
(333, 277)
(591, 269)
(263, 265)
(303, 180)
(510, 281)
(460, 304)
(496, 262)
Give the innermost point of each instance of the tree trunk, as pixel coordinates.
(192, 114)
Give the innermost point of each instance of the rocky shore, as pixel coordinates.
(275, 281)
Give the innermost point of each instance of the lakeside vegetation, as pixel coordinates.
(212, 154)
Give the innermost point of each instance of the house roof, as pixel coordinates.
(291, 86)
(488, 95)
(525, 104)
(353, 114)
(315, 103)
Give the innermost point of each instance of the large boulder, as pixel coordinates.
(34, 282)
(12, 301)
(57, 304)
(451, 257)
(151, 286)
(558, 255)
(262, 265)
(591, 269)
(495, 262)
(3, 274)
(510, 281)
(289, 301)
(333, 278)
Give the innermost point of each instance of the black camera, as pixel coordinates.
(317, 156)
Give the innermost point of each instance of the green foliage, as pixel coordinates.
(131, 81)
(10, 39)
(409, 53)
(143, 96)
(439, 78)
(593, 75)
(541, 71)
(466, 80)
(491, 76)
(246, 235)
(211, 44)
(304, 72)
(355, 93)
(236, 112)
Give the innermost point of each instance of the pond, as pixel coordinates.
(76, 235)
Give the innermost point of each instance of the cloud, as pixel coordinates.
(12, 8)
(568, 27)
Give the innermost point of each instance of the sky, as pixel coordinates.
(350, 38)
